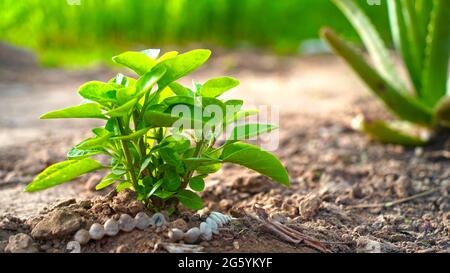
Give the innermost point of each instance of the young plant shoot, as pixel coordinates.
(421, 34)
(161, 137)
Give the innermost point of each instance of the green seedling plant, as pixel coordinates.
(160, 138)
(421, 34)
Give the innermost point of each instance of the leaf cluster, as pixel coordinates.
(163, 156)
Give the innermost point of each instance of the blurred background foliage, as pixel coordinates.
(68, 35)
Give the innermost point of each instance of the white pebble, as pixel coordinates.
(126, 223)
(111, 227)
(97, 231)
(204, 226)
(143, 221)
(221, 217)
(176, 234)
(158, 219)
(216, 219)
(213, 225)
(192, 235)
(82, 236)
(206, 232)
(74, 247)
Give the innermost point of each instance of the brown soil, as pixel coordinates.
(333, 169)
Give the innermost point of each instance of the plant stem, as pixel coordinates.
(127, 155)
(197, 151)
(141, 141)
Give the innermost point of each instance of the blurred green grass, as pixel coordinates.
(73, 35)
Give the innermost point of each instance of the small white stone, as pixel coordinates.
(206, 236)
(82, 236)
(216, 219)
(74, 247)
(206, 231)
(158, 219)
(126, 223)
(111, 227)
(222, 217)
(192, 235)
(97, 231)
(213, 225)
(204, 226)
(143, 221)
(176, 234)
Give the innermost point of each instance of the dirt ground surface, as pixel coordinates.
(348, 193)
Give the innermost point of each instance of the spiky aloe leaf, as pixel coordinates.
(405, 107)
(435, 73)
(442, 112)
(403, 41)
(373, 42)
(389, 132)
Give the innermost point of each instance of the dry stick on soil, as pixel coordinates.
(286, 233)
(393, 203)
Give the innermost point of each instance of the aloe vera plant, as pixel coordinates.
(421, 34)
(154, 149)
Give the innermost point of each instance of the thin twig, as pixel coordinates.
(395, 202)
(290, 235)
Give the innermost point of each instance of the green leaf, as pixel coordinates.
(169, 156)
(76, 153)
(94, 142)
(373, 42)
(176, 100)
(62, 172)
(125, 94)
(148, 80)
(405, 107)
(124, 185)
(203, 166)
(197, 183)
(107, 181)
(402, 42)
(435, 72)
(99, 92)
(157, 119)
(256, 159)
(145, 164)
(180, 90)
(172, 180)
(208, 168)
(424, 9)
(235, 104)
(216, 87)
(134, 135)
(389, 132)
(122, 110)
(190, 199)
(164, 194)
(182, 65)
(155, 187)
(247, 131)
(101, 132)
(139, 62)
(87, 110)
(242, 114)
(167, 55)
